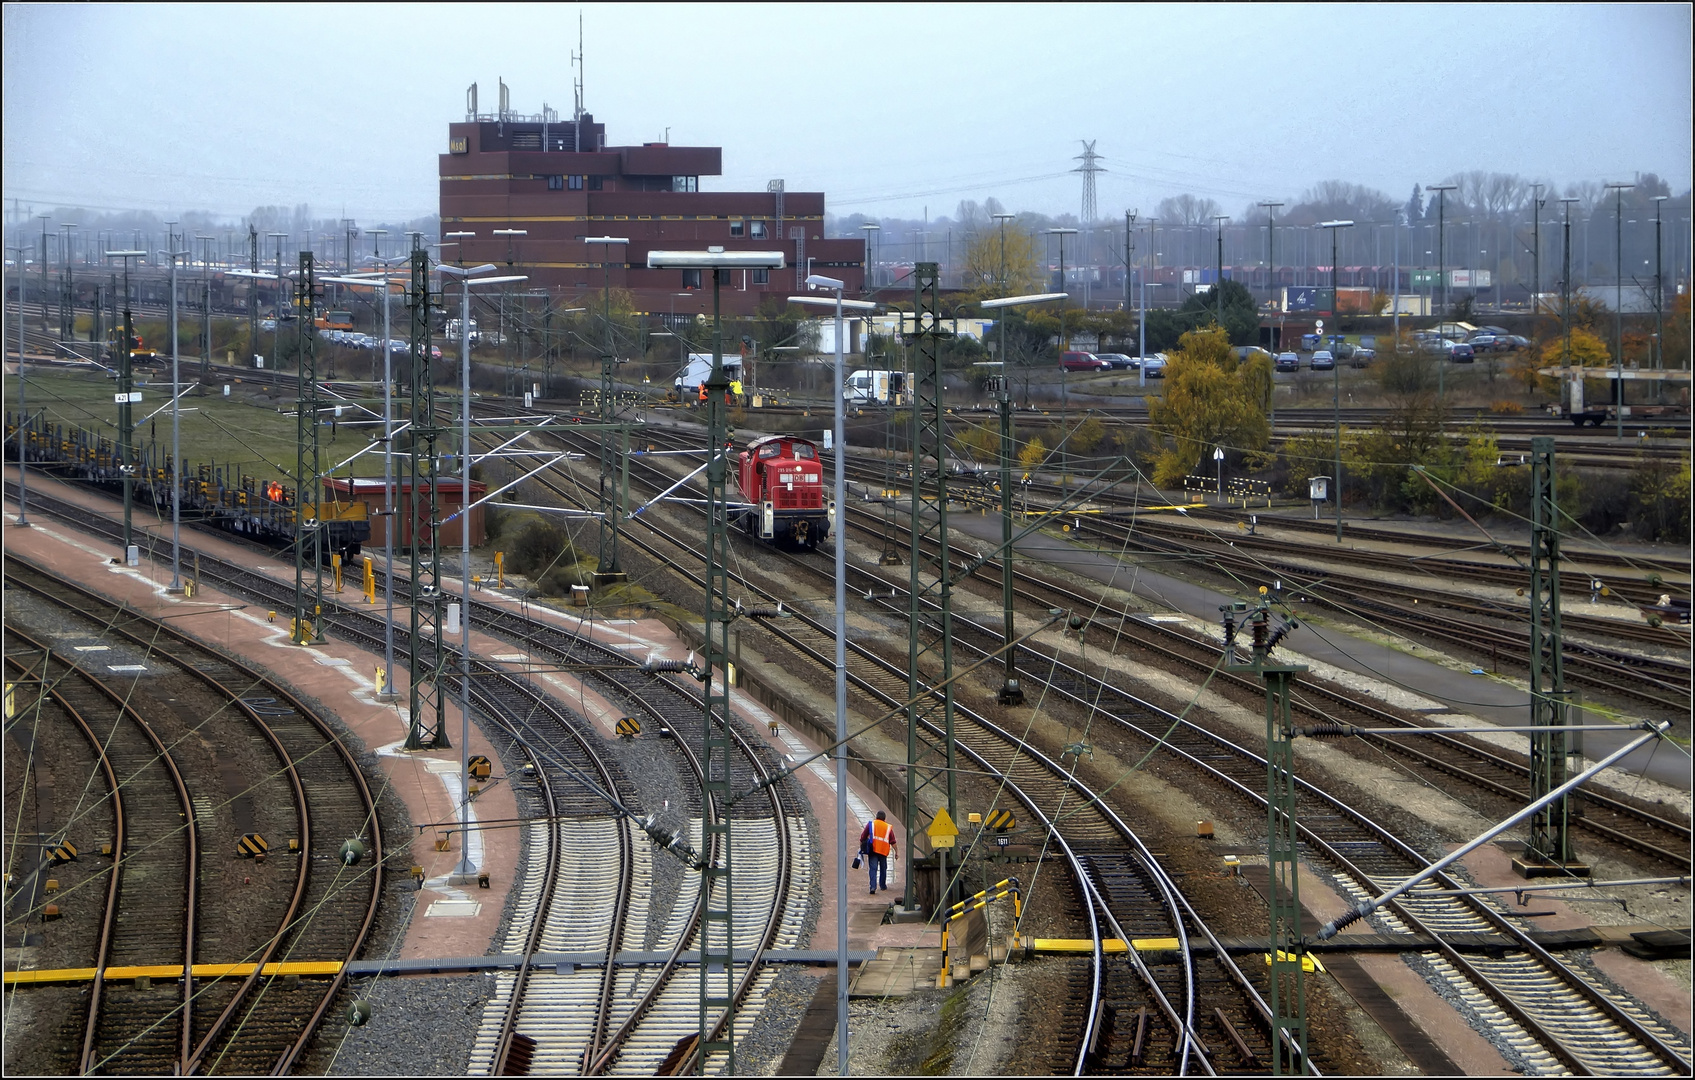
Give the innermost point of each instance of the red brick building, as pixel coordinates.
(559, 181)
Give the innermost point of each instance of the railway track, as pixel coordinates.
(245, 1023)
(1126, 893)
(645, 1008)
(1532, 996)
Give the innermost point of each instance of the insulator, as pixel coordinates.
(1259, 635)
(660, 667)
(1282, 632)
(1229, 629)
(1327, 731)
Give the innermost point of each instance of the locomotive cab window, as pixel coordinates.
(802, 452)
(771, 450)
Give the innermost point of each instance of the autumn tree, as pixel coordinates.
(985, 272)
(1207, 403)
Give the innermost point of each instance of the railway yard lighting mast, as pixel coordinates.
(1010, 692)
(610, 505)
(1441, 191)
(715, 866)
(176, 434)
(23, 408)
(1335, 367)
(467, 279)
(126, 396)
(1618, 189)
(1064, 344)
(818, 281)
(67, 293)
(1659, 287)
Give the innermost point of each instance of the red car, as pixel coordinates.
(1083, 361)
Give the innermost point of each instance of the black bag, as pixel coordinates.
(856, 862)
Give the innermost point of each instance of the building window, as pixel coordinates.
(762, 276)
(691, 279)
(685, 183)
(759, 230)
(576, 183)
(738, 228)
(596, 182)
(556, 183)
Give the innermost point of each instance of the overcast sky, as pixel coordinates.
(888, 110)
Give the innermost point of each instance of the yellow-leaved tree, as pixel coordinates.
(1586, 350)
(1207, 403)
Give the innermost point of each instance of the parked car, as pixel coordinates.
(1082, 361)
(1244, 353)
(1288, 361)
(1514, 342)
(1483, 342)
(1362, 356)
(1345, 349)
(1155, 366)
(1323, 361)
(1117, 361)
(1461, 353)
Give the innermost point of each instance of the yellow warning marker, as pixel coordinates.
(1001, 821)
(1308, 963)
(629, 727)
(500, 568)
(251, 845)
(335, 568)
(63, 853)
(370, 586)
(11, 700)
(942, 830)
(974, 819)
(480, 767)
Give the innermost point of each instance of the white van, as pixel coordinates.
(699, 369)
(874, 386)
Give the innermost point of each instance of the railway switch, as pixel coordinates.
(251, 846)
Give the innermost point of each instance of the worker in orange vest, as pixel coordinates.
(703, 393)
(878, 842)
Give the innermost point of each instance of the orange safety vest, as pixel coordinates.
(882, 839)
(703, 391)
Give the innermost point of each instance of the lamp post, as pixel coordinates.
(465, 276)
(1336, 368)
(176, 433)
(23, 407)
(715, 864)
(1441, 191)
(609, 508)
(67, 305)
(1064, 344)
(386, 283)
(1218, 283)
(818, 281)
(1271, 252)
(871, 272)
(1536, 201)
(1660, 289)
(125, 397)
(276, 315)
(1010, 693)
(1618, 188)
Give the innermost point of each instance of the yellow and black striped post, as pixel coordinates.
(1000, 821)
(629, 727)
(480, 767)
(251, 845)
(63, 852)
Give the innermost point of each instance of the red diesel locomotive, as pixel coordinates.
(784, 480)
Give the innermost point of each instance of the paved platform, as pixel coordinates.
(896, 972)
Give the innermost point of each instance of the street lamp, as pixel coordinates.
(1659, 289)
(868, 228)
(609, 507)
(1441, 191)
(714, 760)
(1619, 188)
(818, 281)
(67, 306)
(1064, 344)
(176, 433)
(465, 275)
(23, 408)
(387, 283)
(1336, 368)
(125, 397)
(1010, 693)
(1218, 283)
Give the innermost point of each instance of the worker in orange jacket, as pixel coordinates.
(878, 842)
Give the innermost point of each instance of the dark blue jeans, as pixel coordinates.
(879, 871)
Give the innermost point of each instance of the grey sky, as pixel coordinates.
(886, 109)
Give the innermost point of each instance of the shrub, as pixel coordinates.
(540, 547)
(1506, 408)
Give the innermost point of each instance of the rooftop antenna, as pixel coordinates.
(577, 60)
(471, 104)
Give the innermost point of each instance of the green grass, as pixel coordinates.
(244, 429)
